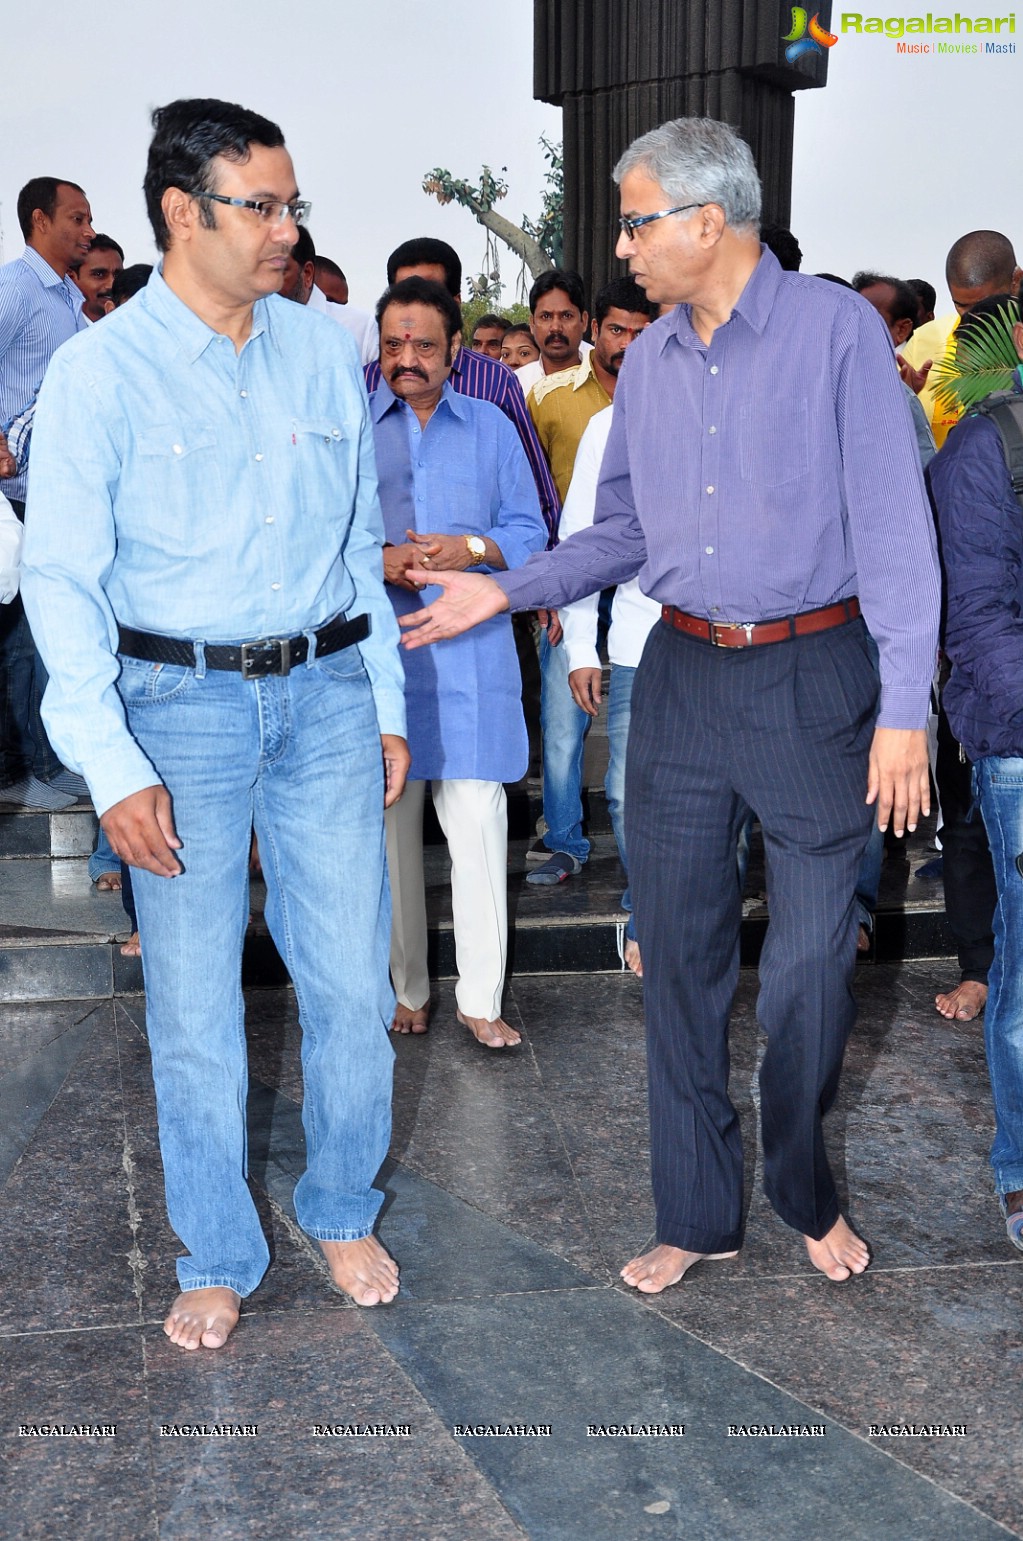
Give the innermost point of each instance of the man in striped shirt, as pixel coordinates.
(40, 308)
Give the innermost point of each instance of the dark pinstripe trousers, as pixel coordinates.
(784, 729)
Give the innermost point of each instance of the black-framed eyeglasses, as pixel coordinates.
(630, 226)
(270, 210)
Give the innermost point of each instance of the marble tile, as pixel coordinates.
(71, 971)
(30, 1082)
(58, 897)
(287, 1375)
(26, 1027)
(66, 1206)
(24, 834)
(916, 1346)
(572, 1361)
(73, 833)
(478, 1124)
(91, 1486)
(417, 1216)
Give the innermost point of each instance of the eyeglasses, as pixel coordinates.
(630, 226)
(270, 210)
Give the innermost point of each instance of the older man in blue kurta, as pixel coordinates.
(457, 492)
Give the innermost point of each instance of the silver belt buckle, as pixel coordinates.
(268, 656)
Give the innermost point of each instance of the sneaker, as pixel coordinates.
(537, 853)
(555, 869)
(70, 783)
(35, 796)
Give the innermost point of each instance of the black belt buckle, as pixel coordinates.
(271, 655)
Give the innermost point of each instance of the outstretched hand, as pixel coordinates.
(467, 599)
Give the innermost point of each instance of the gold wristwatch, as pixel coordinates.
(477, 548)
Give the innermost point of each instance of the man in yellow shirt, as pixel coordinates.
(978, 265)
(561, 405)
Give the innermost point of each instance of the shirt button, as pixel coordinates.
(269, 518)
(710, 489)
(713, 369)
(709, 550)
(335, 433)
(275, 587)
(259, 457)
(243, 393)
(712, 430)
(176, 448)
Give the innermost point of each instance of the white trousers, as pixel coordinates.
(474, 818)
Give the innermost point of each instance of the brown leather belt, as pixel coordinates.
(755, 633)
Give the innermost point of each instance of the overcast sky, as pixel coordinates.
(894, 160)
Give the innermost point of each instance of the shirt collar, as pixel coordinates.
(192, 334)
(383, 400)
(754, 304)
(584, 370)
(48, 278)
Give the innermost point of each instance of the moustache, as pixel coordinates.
(556, 337)
(408, 374)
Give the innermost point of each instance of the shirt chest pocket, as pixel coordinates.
(182, 476)
(321, 450)
(176, 443)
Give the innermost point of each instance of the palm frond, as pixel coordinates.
(984, 360)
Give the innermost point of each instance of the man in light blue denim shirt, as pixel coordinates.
(203, 576)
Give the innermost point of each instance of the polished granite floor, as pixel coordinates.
(517, 1186)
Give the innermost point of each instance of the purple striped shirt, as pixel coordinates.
(473, 374)
(771, 472)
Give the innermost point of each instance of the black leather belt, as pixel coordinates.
(254, 660)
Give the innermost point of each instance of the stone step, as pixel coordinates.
(59, 937)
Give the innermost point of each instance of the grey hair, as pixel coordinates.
(699, 160)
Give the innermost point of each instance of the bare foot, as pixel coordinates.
(411, 1020)
(664, 1266)
(108, 883)
(840, 1253)
(362, 1269)
(965, 1003)
(632, 957)
(132, 948)
(496, 1035)
(862, 939)
(203, 1318)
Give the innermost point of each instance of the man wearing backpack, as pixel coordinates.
(981, 520)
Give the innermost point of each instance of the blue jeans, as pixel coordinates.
(24, 747)
(998, 785)
(619, 712)
(102, 858)
(299, 757)
(564, 728)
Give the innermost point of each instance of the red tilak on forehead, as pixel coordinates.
(408, 336)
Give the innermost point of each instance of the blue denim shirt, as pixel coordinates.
(465, 473)
(183, 488)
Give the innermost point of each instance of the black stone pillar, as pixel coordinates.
(620, 67)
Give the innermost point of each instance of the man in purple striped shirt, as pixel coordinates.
(762, 480)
